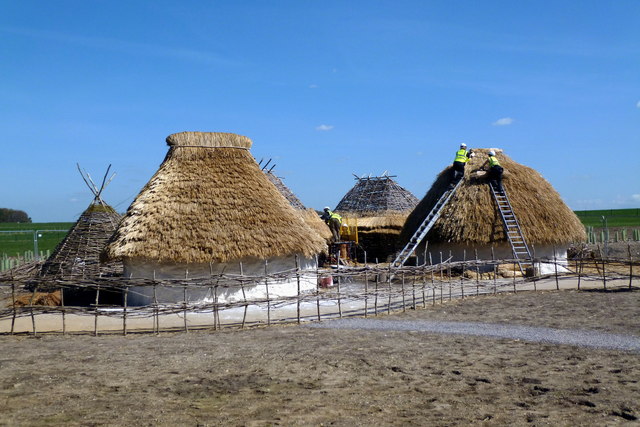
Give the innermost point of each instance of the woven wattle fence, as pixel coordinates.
(370, 290)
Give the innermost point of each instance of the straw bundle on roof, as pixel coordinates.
(210, 202)
(471, 216)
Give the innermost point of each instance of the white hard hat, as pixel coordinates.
(463, 145)
(327, 208)
(492, 153)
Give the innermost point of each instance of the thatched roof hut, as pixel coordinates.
(310, 216)
(207, 208)
(381, 207)
(78, 254)
(471, 220)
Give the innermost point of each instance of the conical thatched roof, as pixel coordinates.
(78, 254)
(210, 202)
(471, 216)
(379, 202)
(310, 217)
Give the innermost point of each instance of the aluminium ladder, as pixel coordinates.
(512, 229)
(426, 225)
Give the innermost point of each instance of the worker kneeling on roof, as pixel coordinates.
(462, 157)
(495, 171)
(334, 221)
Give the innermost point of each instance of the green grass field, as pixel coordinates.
(614, 218)
(17, 238)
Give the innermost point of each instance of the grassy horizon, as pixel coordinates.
(16, 238)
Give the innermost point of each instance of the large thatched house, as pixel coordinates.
(309, 215)
(380, 207)
(208, 208)
(471, 221)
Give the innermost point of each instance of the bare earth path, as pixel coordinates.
(301, 375)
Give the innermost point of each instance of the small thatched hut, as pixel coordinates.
(208, 208)
(381, 207)
(309, 215)
(471, 221)
(78, 254)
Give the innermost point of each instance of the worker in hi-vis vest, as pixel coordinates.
(334, 221)
(462, 157)
(495, 170)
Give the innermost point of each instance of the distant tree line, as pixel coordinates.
(12, 215)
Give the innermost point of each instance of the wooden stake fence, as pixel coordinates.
(305, 303)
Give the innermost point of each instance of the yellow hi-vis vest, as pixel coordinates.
(333, 215)
(493, 161)
(461, 156)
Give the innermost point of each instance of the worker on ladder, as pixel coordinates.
(495, 170)
(462, 157)
(334, 221)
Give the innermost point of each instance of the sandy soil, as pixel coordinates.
(292, 375)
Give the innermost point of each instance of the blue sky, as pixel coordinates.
(326, 89)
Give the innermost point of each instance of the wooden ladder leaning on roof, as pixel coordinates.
(519, 247)
(426, 225)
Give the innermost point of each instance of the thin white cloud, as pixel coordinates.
(638, 104)
(505, 121)
(313, 86)
(324, 128)
(73, 200)
(635, 197)
(129, 47)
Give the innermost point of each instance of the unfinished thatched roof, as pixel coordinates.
(78, 254)
(379, 204)
(471, 216)
(210, 202)
(376, 196)
(308, 215)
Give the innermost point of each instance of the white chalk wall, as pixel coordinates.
(278, 288)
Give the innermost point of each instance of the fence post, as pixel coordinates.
(604, 273)
(338, 274)
(366, 286)
(244, 295)
(555, 266)
(185, 297)
(13, 304)
(156, 308)
(298, 281)
(318, 289)
(475, 251)
(389, 301)
(580, 268)
(124, 313)
(266, 283)
(433, 283)
(464, 260)
(33, 318)
(630, 265)
(495, 278)
(62, 309)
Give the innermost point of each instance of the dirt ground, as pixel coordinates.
(293, 375)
